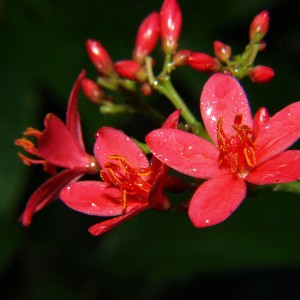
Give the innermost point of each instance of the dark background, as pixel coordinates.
(255, 254)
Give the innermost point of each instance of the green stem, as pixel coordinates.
(167, 89)
(142, 107)
(164, 86)
(250, 54)
(292, 187)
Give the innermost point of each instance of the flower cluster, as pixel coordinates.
(222, 155)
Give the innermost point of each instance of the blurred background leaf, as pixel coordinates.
(253, 255)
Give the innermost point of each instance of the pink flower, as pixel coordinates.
(130, 185)
(59, 145)
(242, 150)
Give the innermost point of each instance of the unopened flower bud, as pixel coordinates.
(170, 22)
(92, 90)
(259, 26)
(261, 74)
(262, 46)
(180, 57)
(203, 62)
(222, 51)
(147, 37)
(146, 89)
(99, 57)
(128, 69)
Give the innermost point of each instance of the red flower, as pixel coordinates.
(99, 57)
(129, 69)
(59, 145)
(222, 51)
(243, 150)
(130, 185)
(170, 23)
(92, 91)
(259, 26)
(203, 62)
(261, 74)
(147, 37)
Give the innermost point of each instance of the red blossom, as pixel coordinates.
(99, 57)
(170, 22)
(129, 69)
(181, 57)
(92, 90)
(242, 149)
(259, 25)
(222, 51)
(58, 145)
(147, 37)
(261, 74)
(130, 185)
(203, 62)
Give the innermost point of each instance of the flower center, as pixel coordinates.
(128, 179)
(238, 150)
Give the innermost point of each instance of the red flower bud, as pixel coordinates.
(99, 57)
(261, 74)
(180, 57)
(222, 51)
(146, 89)
(259, 25)
(92, 90)
(147, 37)
(127, 69)
(170, 22)
(203, 62)
(262, 46)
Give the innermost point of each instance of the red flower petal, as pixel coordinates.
(184, 152)
(111, 141)
(171, 123)
(260, 119)
(279, 133)
(48, 192)
(216, 199)
(57, 145)
(93, 198)
(73, 117)
(107, 225)
(97, 198)
(156, 197)
(223, 96)
(172, 120)
(285, 167)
